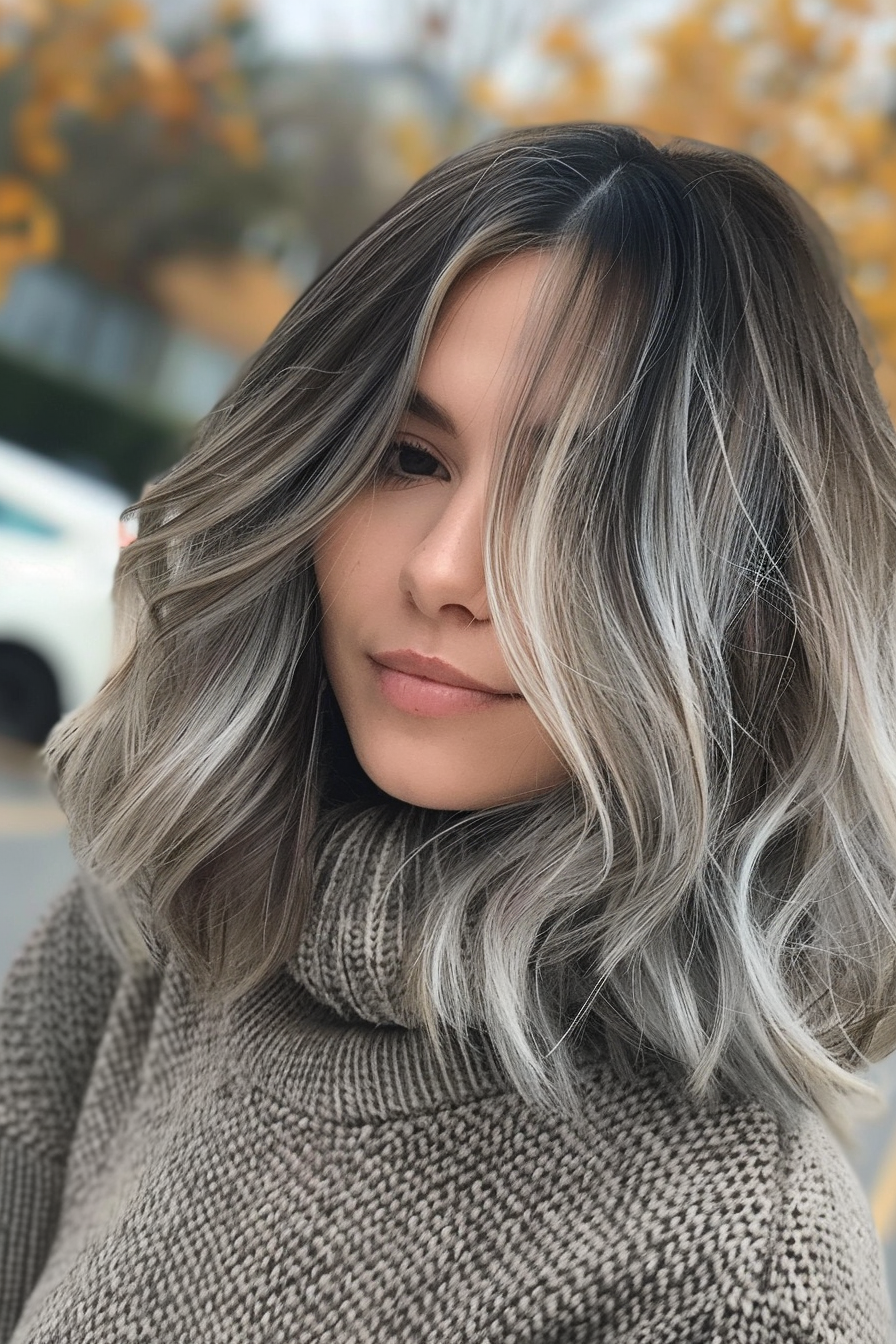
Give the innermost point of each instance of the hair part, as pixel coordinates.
(690, 572)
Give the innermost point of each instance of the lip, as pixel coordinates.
(436, 670)
(421, 697)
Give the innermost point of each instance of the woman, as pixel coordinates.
(487, 833)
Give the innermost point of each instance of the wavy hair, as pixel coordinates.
(690, 573)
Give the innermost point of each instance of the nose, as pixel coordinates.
(445, 568)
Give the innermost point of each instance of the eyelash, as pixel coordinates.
(398, 446)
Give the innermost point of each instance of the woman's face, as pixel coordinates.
(400, 568)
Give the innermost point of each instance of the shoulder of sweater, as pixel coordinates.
(54, 1007)
(774, 1211)
(826, 1278)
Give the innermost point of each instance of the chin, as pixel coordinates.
(430, 798)
(439, 799)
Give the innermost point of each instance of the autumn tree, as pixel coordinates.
(63, 62)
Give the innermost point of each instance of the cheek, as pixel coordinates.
(334, 554)
(350, 566)
(349, 537)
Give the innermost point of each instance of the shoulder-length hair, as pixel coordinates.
(690, 573)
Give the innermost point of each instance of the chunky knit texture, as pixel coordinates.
(299, 1167)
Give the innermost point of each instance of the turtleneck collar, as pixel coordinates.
(351, 956)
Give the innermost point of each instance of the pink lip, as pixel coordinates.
(433, 699)
(434, 669)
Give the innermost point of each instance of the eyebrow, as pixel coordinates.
(427, 409)
(423, 406)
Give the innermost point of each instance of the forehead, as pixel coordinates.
(495, 293)
(498, 337)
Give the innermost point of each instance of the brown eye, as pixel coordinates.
(404, 462)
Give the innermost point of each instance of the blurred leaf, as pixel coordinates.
(415, 144)
(126, 15)
(38, 148)
(9, 55)
(28, 224)
(240, 136)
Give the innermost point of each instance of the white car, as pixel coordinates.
(60, 537)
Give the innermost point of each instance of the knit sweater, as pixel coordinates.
(300, 1167)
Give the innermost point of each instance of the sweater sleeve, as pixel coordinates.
(53, 1008)
(827, 1282)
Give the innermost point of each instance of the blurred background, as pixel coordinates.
(173, 173)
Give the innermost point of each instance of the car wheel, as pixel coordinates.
(29, 696)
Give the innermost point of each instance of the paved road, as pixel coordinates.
(35, 863)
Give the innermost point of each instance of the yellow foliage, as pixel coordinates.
(563, 41)
(415, 145)
(28, 227)
(37, 148)
(483, 94)
(97, 58)
(240, 136)
(213, 59)
(64, 73)
(232, 11)
(9, 55)
(150, 59)
(124, 16)
(166, 90)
